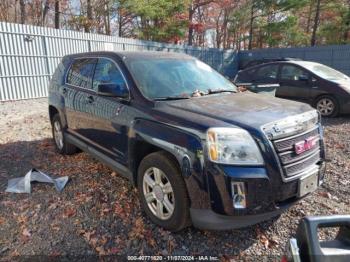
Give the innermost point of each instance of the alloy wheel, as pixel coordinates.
(158, 193)
(325, 106)
(58, 134)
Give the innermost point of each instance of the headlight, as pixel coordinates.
(232, 146)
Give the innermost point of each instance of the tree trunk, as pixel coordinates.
(23, 11)
(46, 9)
(316, 22)
(107, 19)
(57, 14)
(250, 43)
(308, 23)
(190, 26)
(120, 25)
(15, 19)
(347, 25)
(88, 16)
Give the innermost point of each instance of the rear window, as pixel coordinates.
(81, 72)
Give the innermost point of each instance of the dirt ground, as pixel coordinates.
(98, 212)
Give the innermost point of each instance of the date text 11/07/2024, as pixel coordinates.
(172, 258)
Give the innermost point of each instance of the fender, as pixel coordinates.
(187, 148)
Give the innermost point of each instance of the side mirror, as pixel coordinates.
(113, 90)
(303, 78)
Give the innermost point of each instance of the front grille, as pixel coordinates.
(292, 163)
(288, 143)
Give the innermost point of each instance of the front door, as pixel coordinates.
(109, 115)
(294, 83)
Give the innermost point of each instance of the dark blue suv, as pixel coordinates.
(198, 151)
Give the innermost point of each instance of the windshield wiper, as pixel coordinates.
(170, 98)
(217, 91)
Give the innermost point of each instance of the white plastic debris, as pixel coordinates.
(23, 184)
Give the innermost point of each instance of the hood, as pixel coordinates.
(247, 110)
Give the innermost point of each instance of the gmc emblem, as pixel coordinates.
(305, 145)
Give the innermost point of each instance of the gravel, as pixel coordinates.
(98, 213)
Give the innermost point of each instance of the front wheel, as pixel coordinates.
(162, 191)
(327, 106)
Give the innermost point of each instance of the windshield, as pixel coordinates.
(166, 77)
(326, 72)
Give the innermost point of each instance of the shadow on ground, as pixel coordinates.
(97, 213)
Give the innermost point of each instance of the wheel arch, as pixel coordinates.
(52, 112)
(314, 102)
(185, 148)
(337, 108)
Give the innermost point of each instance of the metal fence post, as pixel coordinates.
(46, 58)
(89, 45)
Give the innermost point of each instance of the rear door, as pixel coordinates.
(266, 74)
(294, 83)
(79, 81)
(265, 79)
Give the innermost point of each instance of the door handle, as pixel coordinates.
(90, 99)
(119, 109)
(314, 87)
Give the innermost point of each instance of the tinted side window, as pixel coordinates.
(80, 73)
(266, 73)
(107, 72)
(291, 72)
(245, 76)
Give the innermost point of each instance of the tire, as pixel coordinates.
(328, 106)
(161, 165)
(58, 135)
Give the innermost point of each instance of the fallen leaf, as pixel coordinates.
(264, 240)
(100, 251)
(26, 232)
(53, 206)
(22, 219)
(325, 194)
(69, 212)
(55, 227)
(114, 251)
(106, 210)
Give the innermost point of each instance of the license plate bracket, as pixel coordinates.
(308, 184)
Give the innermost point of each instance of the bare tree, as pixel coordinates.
(57, 14)
(194, 5)
(316, 22)
(251, 22)
(87, 25)
(107, 18)
(23, 11)
(45, 11)
(347, 23)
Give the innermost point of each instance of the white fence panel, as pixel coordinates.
(30, 54)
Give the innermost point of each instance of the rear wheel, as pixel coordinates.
(162, 191)
(62, 146)
(327, 106)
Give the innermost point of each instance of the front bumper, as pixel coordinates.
(265, 198)
(208, 219)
